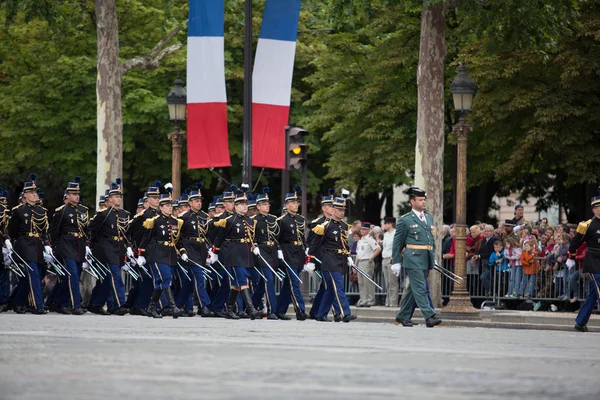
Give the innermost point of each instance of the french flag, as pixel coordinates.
(207, 135)
(272, 82)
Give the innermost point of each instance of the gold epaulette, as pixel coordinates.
(15, 207)
(82, 206)
(179, 223)
(320, 229)
(583, 226)
(149, 223)
(222, 223)
(139, 214)
(218, 215)
(183, 213)
(314, 221)
(59, 208)
(279, 218)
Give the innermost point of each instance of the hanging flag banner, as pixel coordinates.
(207, 135)
(272, 82)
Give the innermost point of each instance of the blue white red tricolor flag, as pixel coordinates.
(272, 82)
(207, 135)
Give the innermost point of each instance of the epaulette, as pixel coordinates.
(149, 223)
(43, 208)
(82, 206)
(218, 215)
(222, 223)
(179, 223)
(183, 213)
(405, 215)
(128, 213)
(59, 208)
(583, 226)
(254, 216)
(203, 213)
(320, 229)
(139, 214)
(280, 218)
(314, 221)
(15, 207)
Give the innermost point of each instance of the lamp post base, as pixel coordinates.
(460, 307)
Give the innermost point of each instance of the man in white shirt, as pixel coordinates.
(366, 251)
(391, 280)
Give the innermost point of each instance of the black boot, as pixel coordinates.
(205, 312)
(152, 312)
(230, 307)
(175, 311)
(252, 312)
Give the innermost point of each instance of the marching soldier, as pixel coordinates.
(4, 263)
(265, 241)
(292, 240)
(141, 293)
(588, 232)
(193, 245)
(415, 235)
(327, 208)
(108, 229)
(159, 245)
(235, 240)
(68, 234)
(28, 228)
(330, 241)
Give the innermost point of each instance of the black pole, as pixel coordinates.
(303, 185)
(285, 173)
(247, 141)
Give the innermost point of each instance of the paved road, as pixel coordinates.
(95, 357)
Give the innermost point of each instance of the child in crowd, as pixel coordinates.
(512, 252)
(530, 268)
(562, 255)
(500, 262)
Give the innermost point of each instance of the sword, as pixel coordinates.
(23, 261)
(269, 265)
(60, 265)
(91, 273)
(367, 277)
(447, 271)
(131, 272)
(318, 274)
(207, 275)
(292, 270)
(198, 265)
(443, 272)
(261, 275)
(20, 273)
(222, 266)
(184, 271)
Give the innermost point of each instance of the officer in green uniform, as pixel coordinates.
(415, 235)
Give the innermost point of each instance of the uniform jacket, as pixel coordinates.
(234, 240)
(265, 237)
(135, 232)
(313, 238)
(108, 229)
(193, 235)
(28, 228)
(69, 231)
(159, 243)
(410, 230)
(330, 242)
(292, 239)
(588, 232)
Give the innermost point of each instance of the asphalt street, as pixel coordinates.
(96, 357)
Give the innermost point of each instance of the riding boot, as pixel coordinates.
(152, 312)
(230, 306)
(252, 312)
(175, 311)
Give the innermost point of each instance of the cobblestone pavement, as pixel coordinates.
(95, 357)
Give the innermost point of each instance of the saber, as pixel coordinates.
(57, 269)
(448, 271)
(261, 275)
(198, 265)
(60, 265)
(316, 259)
(318, 274)
(145, 270)
(91, 273)
(269, 265)
(131, 272)
(98, 276)
(215, 271)
(99, 263)
(367, 277)
(15, 268)
(23, 261)
(435, 267)
(222, 266)
(22, 274)
(97, 269)
(292, 270)
(280, 273)
(207, 275)
(184, 271)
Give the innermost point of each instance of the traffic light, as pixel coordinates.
(297, 149)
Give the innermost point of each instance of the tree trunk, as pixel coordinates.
(108, 96)
(429, 157)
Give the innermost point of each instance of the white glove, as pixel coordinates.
(306, 252)
(88, 258)
(570, 263)
(85, 265)
(396, 269)
(8, 244)
(309, 267)
(141, 260)
(7, 260)
(129, 253)
(184, 257)
(256, 250)
(125, 268)
(5, 251)
(280, 254)
(350, 261)
(213, 257)
(88, 251)
(48, 258)
(48, 250)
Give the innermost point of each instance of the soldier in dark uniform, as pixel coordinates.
(331, 243)
(108, 229)
(327, 208)
(69, 234)
(292, 240)
(28, 228)
(184, 202)
(193, 245)
(588, 232)
(141, 293)
(140, 206)
(158, 250)
(4, 269)
(235, 239)
(265, 240)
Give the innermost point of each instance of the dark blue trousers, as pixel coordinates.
(265, 289)
(334, 295)
(4, 284)
(221, 293)
(110, 287)
(29, 288)
(194, 287)
(316, 303)
(590, 301)
(68, 294)
(145, 287)
(290, 292)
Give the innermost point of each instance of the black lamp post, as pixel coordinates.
(177, 103)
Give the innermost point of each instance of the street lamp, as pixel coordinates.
(463, 91)
(177, 103)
